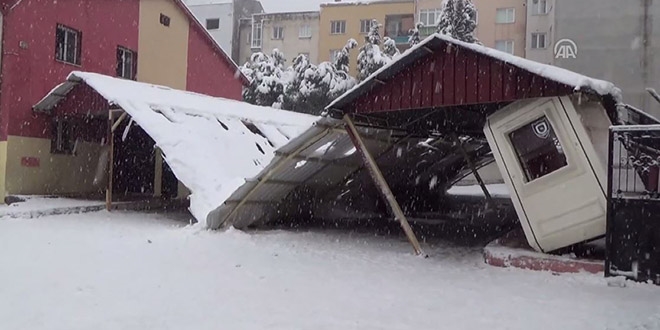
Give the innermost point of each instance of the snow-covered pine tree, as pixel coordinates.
(371, 58)
(447, 17)
(458, 20)
(266, 78)
(415, 37)
(292, 93)
(342, 59)
(389, 47)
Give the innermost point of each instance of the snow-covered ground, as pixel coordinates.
(136, 271)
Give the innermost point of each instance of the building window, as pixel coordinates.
(67, 48)
(334, 53)
(539, 40)
(256, 35)
(125, 63)
(164, 19)
(506, 46)
(338, 27)
(305, 31)
(62, 141)
(505, 15)
(365, 26)
(539, 7)
(212, 23)
(278, 32)
(429, 17)
(538, 149)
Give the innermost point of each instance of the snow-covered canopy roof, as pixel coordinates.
(434, 42)
(211, 144)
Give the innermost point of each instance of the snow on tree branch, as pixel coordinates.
(458, 19)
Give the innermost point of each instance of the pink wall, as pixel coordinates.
(30, 73)
(208, 72)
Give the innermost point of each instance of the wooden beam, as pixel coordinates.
(118, 122)
(277, 182)
(654, 94)
(237, 201)
(111, 143)
(475, 171)
(380, 182)
(315, 160)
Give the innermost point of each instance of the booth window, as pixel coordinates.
(538, 149)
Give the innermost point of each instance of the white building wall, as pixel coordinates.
(223, 11)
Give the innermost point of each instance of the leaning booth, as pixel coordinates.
(547, 128)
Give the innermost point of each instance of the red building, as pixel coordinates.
(154, 41)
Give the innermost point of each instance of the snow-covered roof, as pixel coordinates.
(205, 139)
(559, 75)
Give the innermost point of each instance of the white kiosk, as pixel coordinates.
(552, 155)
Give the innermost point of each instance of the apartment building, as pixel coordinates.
(293, 33)
(500, 23)
(343, 20)
(222, 20)
(608, 39)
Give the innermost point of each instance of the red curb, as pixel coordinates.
(510, 252)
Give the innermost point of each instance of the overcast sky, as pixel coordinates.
(273, 6)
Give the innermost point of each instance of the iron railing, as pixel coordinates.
(633, 217)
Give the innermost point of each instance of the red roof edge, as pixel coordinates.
(209, 38)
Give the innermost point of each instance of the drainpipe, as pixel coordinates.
(646, 44)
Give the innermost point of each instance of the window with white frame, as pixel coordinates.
(67, 45)
(212, 23)
(539, 40)
(507, 46)
(338, 27)
(333, 54)
(278, 32)
(125, 63)
(429, 17)
(256, 35)
(305, 31)
(365, 26)
(505, 15)
(539, 7)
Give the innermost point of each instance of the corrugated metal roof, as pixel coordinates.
(321, 156)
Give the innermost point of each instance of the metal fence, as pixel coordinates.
(633, 220)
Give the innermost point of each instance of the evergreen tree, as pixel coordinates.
(266, 78)
(341, 62)
(458, 20)
(371, 58)
(389, 47)
(415, 38)
(311, 87)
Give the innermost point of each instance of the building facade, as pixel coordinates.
(344, 20)
(292, 33)
(218, 18)
(222, 20)
(154, 41)
(500, 23)
(607, 39)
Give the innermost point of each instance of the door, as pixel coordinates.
(544, 158)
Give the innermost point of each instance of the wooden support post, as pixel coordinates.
(111, 143)
(380, 182)
(475, 171)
